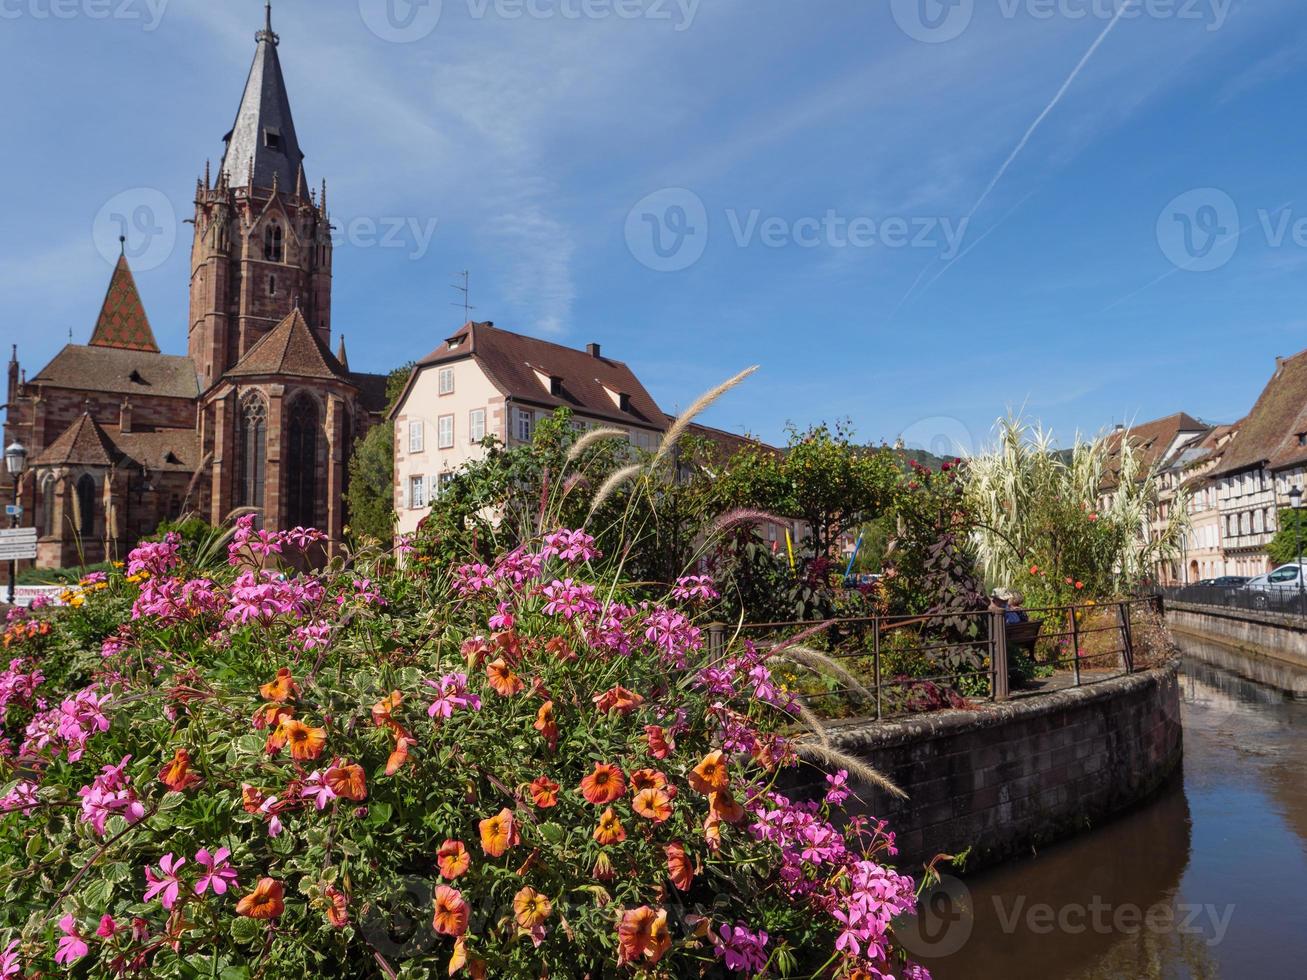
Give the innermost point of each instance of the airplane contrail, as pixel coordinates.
(1030, 132)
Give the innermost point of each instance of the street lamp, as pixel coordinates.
(15, 464)
(1295, 501)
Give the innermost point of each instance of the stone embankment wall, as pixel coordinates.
(1007, 778)
(1268, 634)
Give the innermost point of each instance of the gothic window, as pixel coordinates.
(47, 506)
(252, 443)
(302, 463)
(272, 285)
(273, 249)
(86, 505)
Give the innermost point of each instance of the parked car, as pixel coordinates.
(1226, 581)
(1276, 584)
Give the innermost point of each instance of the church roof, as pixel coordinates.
(120, 371)
(83, 443)
(122, 322)
(293, 349)
(161, 450)
(262, 139)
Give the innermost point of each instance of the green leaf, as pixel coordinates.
(245, 930)
(552, 833)
(171, 801)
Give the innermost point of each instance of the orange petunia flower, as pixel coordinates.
(711, 774)
(265, 902)
(642, 934)
(348, 781)
(383, 712)
(546, 725)
(653, 804)
(281, 688)
(177, 775)
(251, 798)
(561, 649)
(509, 645)
(618, 699)
(399, 756)
(337, 908)
(722, 805)
(451, 912)
(530, 908)
(544, 792)
(660, 746)
(305, 742)
(502, 679)
(603, 785)
(610, 829)
(648, 779)
(712, 832)
(499, 833)
(270, 716)
(679, 866)
(453, 859)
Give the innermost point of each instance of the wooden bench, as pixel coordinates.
(1024, 636)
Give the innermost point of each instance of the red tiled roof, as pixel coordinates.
(83, 443)
(511, 362)
(290, 348)
(1150, 440)
(1270, 432)
(122, 322)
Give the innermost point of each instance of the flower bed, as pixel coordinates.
(505, 770)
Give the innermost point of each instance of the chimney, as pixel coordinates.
(592, 350)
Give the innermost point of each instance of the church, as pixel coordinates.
(259, 413)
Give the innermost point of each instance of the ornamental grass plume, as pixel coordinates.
(592, 438)
(543, 781)
(683, 420)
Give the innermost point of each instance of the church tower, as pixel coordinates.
(262, 246)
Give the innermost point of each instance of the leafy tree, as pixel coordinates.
(1283, 549)
(370, 499)
(822, 479)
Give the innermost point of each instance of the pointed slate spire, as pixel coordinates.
(341, 355)
(262, 144)
(122, 322)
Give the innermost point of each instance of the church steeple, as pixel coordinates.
(262, 144)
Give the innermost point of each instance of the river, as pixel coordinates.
(1208, 879)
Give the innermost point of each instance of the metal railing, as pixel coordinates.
(1084, 643)
(1289, 600)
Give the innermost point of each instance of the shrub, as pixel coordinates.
(509, 769)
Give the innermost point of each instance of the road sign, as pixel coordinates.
(17, 543)
(13, 510)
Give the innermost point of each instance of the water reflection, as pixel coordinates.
(1206, 880)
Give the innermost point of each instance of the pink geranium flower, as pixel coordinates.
(166, 882)
(71, 947)
(218, 872)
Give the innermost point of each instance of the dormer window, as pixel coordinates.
(1302, 438)
(136, 379)
(620, 398)
(555, 385)
(272, 138)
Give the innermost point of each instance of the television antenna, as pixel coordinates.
(464, 288)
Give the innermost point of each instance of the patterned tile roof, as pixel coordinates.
(293, 349)
(122, 322)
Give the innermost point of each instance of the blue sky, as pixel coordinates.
(803, 173)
